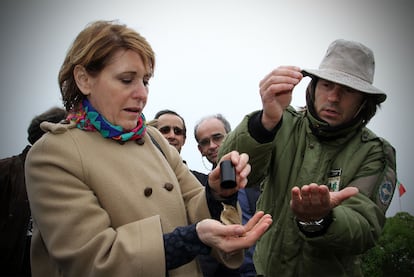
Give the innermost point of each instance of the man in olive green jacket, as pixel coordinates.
(310, 161)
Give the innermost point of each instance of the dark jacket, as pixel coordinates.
(301, 154)
(14, 217)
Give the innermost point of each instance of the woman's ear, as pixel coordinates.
(82, 79)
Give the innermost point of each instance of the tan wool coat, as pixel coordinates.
(100, 208)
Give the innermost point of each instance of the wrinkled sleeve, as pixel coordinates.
(241, 140)
(358, 222)
(183, 245)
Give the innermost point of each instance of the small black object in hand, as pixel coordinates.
(228, 175)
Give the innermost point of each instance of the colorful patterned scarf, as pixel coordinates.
(88, 119)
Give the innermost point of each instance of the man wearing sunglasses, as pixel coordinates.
(172, 127)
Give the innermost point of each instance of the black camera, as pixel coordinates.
(227, 174)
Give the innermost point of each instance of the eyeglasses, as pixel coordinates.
(216, 138)
(167, 129)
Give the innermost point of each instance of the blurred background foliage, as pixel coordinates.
(394, 253)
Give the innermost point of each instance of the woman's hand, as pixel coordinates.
(242, 169)
(229, 238)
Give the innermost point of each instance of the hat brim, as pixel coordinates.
(347, 80)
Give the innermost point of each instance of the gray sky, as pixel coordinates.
(211, 56)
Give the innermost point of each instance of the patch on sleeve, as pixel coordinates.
(385, 193)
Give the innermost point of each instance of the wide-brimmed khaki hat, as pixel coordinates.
(351, 64)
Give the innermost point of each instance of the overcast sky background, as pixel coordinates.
(211, 56)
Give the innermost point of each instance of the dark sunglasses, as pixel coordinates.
(167, 129)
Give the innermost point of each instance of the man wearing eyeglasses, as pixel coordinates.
(209, 133)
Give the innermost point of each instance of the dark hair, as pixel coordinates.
(93, 48)
(54, 115)
(218, 116)
(370, 107)
(166, 111)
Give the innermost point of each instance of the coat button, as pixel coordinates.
(147, 192)
(140, 141)
(168, 186)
